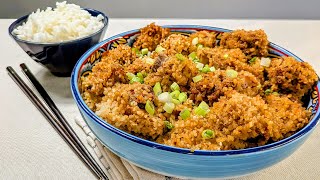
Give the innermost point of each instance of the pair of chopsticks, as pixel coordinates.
(55, 118)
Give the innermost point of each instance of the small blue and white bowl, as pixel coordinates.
(178, 162)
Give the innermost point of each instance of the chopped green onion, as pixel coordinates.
(205, 69)
(193, 55)
(259, 86)
(265, 62)
(268, 91)
(136, 79)
(199, 66)
(165, 97)
(197, 78)
(160, 49)
(184, 114)
(204, 105)
(130, 75)
(180, 57)
(157, 89)
(252, 60)
(149, 61)
(174, 86)
(168, 124)
(225, 56)
(175, 101)
(140, 75)
(175, 94)
(200, 46)
(231, 73)
(212, 69)
(149, 107)
(275, 93)
(135, 50)
(195, 41)
(144, 51)
(207, 134)
(202, 109)
(182, 97)
(168, 107)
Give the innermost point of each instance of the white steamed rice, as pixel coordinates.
(63, 23)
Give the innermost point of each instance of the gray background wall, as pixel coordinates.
(273, 9)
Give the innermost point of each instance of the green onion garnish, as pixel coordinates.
(231, 73)
(184, 114)
(175, 101)
(140, 75)
(195, 41)
(136, 79)
(202, 109)
(275, 93)
(130, 75)
(212, 69)
(205, 69)
(165, 97)
(175, 94)
(225, 56)
(168, 124)
(268, 91)
(197, 78)
(199, 66)
(252, 60)
(192, 55)
(135, 50)
(157, 89)
(144, 51)
(160, 49)
(182, 97)
(259, 86)
(168, 107)
(207, 134)
(180, 57)
(150, 61)
(149, 107)
(199, 46)
(174, 86)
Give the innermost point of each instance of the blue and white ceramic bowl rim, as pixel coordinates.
(12, 26)
(76, 93)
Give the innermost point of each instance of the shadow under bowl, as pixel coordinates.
(59, 58)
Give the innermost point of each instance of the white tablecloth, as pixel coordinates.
(31, 149)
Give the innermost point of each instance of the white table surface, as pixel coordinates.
(31, 149)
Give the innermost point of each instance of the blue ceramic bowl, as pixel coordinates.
(178, 162)
(59, 58)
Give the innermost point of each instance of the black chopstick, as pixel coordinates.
(60, 117)
(52, 120)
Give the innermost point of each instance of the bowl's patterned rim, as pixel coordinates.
(92, 56)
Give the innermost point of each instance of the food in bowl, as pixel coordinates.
(66, 22)
(201, 91)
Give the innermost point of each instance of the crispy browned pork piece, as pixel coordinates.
(288, 76)
(204, 38)
(229, 58)
(252, 43)
(106, 73)
(172, 70)
(287, 117)
(151, 36)
(122, 55)
(175, 43)
(123, 107)
(216, 84)
(239, 121)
